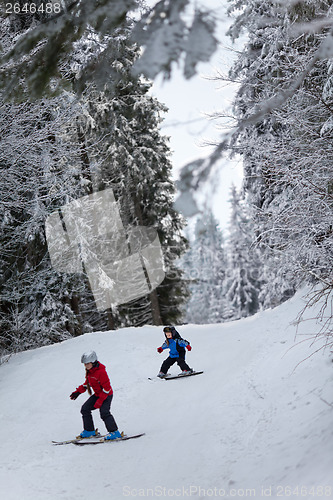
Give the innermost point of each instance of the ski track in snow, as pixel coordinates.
(253, 423)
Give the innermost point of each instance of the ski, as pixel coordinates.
(78, 438)
(69, 441)
(182, 376)
(95, 439)
(172, 377)
(125, 437)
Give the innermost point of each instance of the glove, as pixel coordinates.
(75, 395)
(159, 349)
(189, 348)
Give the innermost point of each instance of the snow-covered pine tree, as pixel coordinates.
(287, 149)
(38, 173)
(242, 284)
(38, 56)
(205, 267)
(128, 153)
(41, 170)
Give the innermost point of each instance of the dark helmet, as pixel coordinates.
(172, 329)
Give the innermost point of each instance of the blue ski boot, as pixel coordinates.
(112, 435)
(87, 434)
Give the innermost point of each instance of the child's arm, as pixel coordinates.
(104, 382)
(163, 346)
(79, 390)
(184, 343)
(83, 387)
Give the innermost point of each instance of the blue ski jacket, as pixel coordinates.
(173, 346)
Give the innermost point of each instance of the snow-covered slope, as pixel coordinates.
(253, 425)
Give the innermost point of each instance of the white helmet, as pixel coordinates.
(89, 357)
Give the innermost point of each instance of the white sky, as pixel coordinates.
(189, 103)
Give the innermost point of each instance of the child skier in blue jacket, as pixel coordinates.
(176, 344)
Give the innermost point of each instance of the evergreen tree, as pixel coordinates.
(129, 154)
(205, 266)
(53, 29)
(242, 284)
(40, 170)
(60, 149)
(39, 173)
(285, 137)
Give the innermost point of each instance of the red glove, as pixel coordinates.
(188, 347)
(159, 349)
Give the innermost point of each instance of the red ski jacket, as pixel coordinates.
(99, 381)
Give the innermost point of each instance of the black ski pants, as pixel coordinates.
(170, 361)
(88, 407)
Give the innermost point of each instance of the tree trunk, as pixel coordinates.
(85, 171)
(110, 320)
(153, 297)
(76, 309)
(155, 308)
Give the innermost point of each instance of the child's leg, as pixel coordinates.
(182, 364)
(166, 364)
(106, 416)
(87, 407)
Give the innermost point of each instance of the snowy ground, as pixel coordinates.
(252, 426)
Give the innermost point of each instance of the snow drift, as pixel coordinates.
(257, 423)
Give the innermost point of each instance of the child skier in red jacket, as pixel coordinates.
(97, 380)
